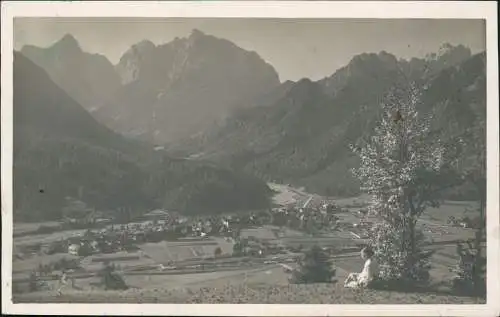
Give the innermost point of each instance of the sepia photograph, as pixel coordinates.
(250, 153)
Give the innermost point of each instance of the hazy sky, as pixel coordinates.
(296, 48)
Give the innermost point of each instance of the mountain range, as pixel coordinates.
(159, 93)
(302, 132)
(61, 151)
(207, 99)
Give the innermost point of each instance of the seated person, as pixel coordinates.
(369, 273)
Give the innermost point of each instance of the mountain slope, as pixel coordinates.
(364, 66)
(61, 151)
(178, 89)
(308, 129)
(159, 93)
(303, 138)
(90, 79)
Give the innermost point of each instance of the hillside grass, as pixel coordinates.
(258, 294)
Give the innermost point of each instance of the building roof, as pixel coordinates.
(157, 212)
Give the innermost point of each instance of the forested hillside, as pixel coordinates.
(61, 151)
(303, 137)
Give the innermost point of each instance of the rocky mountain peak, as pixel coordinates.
(144, 46)
(67, 44)
(196, 34)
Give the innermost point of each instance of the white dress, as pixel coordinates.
(370, 271)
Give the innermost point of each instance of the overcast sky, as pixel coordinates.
(296, 48)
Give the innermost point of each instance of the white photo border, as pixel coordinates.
(258, 9)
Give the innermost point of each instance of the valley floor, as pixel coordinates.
(258, 281)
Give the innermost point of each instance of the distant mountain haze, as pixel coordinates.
(296, 47)
(159, 93)
(89, 78)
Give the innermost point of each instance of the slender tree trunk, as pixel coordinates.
(412, 223)
(411, 226)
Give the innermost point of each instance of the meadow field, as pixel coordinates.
(251, 294)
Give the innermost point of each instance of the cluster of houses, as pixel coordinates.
(310, 220)
(161, 225)
(157, 226)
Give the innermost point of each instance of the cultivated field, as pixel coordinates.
(45, 238)
(168, 251)
(30, 227)
(31, 263)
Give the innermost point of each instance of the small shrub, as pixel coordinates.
(314, 268)
(85, 250)
(471, 269)
(111, 280)
(477, 223)
(57, 247)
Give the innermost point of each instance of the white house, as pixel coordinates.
(73, 249)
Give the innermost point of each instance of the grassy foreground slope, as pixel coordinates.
(236, 294)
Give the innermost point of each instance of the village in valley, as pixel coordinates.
(165, 249)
